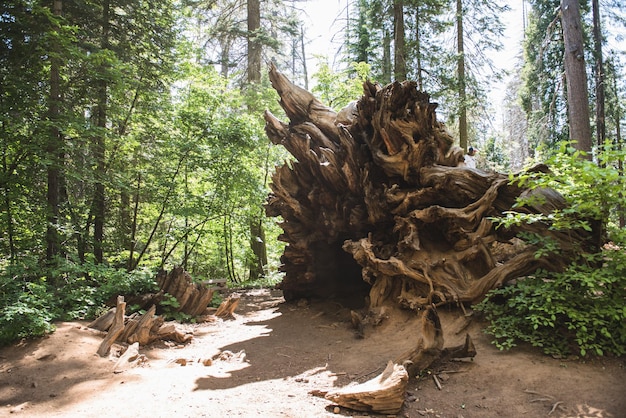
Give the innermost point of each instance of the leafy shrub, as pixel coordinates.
(32, 296)
(584, 308)
(25, 306)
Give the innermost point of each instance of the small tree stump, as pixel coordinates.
(142, 333)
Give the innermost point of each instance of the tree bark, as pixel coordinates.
(116, 329)
(399, 62)
(54, 148)
(99, 144)
(463, 135)
(376, 203)
(599, 69)
(254, 44)
(576, 76)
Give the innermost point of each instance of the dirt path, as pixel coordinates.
(272, 355)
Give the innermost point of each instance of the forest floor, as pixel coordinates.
(271, 355)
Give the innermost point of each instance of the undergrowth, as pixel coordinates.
(583, 309)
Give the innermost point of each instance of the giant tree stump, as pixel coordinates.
(378, 199)
(379, 204)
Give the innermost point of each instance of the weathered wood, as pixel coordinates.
(227, 307)
(171, 332)
(377, 206)
(142, 332)
(116, 328)
(193, 298)
(104, 321)
(383, 394)
(128, 359)
(385, 185)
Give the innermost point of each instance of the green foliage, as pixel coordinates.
(170, 305)
(592, 192)
(25, 309)
(33, 296)
(582, 309)
(337, 89)
(271, 278)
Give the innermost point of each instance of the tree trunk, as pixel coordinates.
(418, 47)
(386, 64)
(53, 148)
(254, 44)
(376, 204)
(599, 69)
(133, 229)
(399, 64)
(259, 250)
(463, 135)
(576, 76)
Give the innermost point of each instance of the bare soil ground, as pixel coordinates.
(266, 360)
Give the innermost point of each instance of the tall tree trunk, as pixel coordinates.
(133, 229)
(254, 45)
(463, 135)
(599, 67)
(617, 117)
(99, 145)
(576, 76)
(418, 50)
(259, 249)
(7, 210)
(399, 56)
(386, 75)
(225, 58)
(305, 71)
(54, 148)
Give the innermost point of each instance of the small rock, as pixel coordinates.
(336, 410)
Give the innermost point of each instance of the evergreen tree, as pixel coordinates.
(576, 76)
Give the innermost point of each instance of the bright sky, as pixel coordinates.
(325, 19)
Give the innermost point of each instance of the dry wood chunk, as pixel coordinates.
(383, 394)
(116, 328)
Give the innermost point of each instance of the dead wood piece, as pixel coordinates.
(116, 328)
(104, 321)
(171, 332)
(142, 333)
(465, 350)
(383, 394)
(129, 329)
(429, 344)
(128, 359)
(227, 307)
(193, 298)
